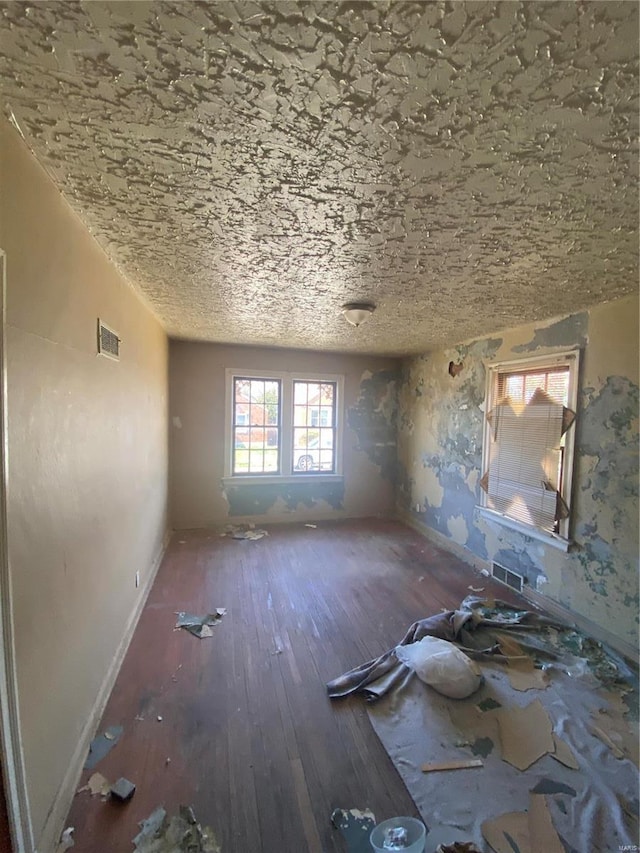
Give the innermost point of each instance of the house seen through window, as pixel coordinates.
(528, 450)
(283, 425)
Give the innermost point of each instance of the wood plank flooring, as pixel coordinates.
(248, 736)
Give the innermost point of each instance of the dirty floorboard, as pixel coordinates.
(248, 736)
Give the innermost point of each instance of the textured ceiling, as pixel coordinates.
(252, 166)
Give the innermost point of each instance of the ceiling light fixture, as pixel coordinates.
(357, 312)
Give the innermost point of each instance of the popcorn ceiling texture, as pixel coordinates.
(252, 166)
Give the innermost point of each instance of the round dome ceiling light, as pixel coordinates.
(357, 312)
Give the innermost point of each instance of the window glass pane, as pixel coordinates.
(256, 407)
(300, 393)
(300, 437)
(271, 460)
(326, 439)
(256, 461)
(326, 460)
(326, 394)
(314, 393)
(300, 415)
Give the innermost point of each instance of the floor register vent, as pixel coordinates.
(108, 341)
(504, 575)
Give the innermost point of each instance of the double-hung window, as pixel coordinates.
(528, 445)
(283, 424)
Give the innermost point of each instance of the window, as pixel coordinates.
(314, 426)
(528, 448)
(256, 423)
(283, 425)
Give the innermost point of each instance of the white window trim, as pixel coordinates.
(286, 427)
(560, 540)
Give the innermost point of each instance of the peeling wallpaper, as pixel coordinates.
(440, 427)
(251, 166)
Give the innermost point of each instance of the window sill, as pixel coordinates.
(282, 479)
(550, 539)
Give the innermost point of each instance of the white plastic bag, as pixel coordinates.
(443, 666)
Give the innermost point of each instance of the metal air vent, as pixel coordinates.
(506, 576)
(108, 341)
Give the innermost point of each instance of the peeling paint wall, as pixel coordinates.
(440, 428)
(200, 497)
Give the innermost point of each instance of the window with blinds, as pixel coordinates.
(529, 443)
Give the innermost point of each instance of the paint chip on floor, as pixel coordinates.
(102, 745)
(525, 734)
(200, 626)
(179, 834)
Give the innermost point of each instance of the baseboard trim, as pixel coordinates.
(543, 602)
(553, 608)
(443, 541)
(54, 824)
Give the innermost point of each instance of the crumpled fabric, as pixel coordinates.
(466, 627)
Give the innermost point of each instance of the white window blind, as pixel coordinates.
(524, 469)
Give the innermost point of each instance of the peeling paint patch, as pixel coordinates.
(261, 498)
(433, 490)
(373, 418)
(457, 527)
(472, 480)
(568, 332)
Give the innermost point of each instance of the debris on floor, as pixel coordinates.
(244, 532)
(604, 737)
(488, 704)
(476, 588)
(437, 766)
(122, 790)
(523, 674)
(528, 832)
(66, 840)
(182, 832)
(313, 526)
(97, 784)
(102, 745)
(563, 753)
(458, 847)
(442, 665)
(356, 827)
(585, 719)
(200, 626)
(525, 734)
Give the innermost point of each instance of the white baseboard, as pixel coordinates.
(54, 824)
(543, 602)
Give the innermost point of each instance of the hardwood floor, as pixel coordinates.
(248, 736)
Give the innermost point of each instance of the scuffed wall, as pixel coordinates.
(440, 429)
(200, 494)
(87, 490)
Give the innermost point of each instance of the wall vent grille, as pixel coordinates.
(504, 575)
(108, 341)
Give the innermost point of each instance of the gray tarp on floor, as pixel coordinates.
(469, 627)
(417, 725)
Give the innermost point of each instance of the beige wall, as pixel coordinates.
(197, 408)
(440, 457)
(87, 467)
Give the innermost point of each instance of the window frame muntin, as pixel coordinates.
(286, 426)
(570, 358)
